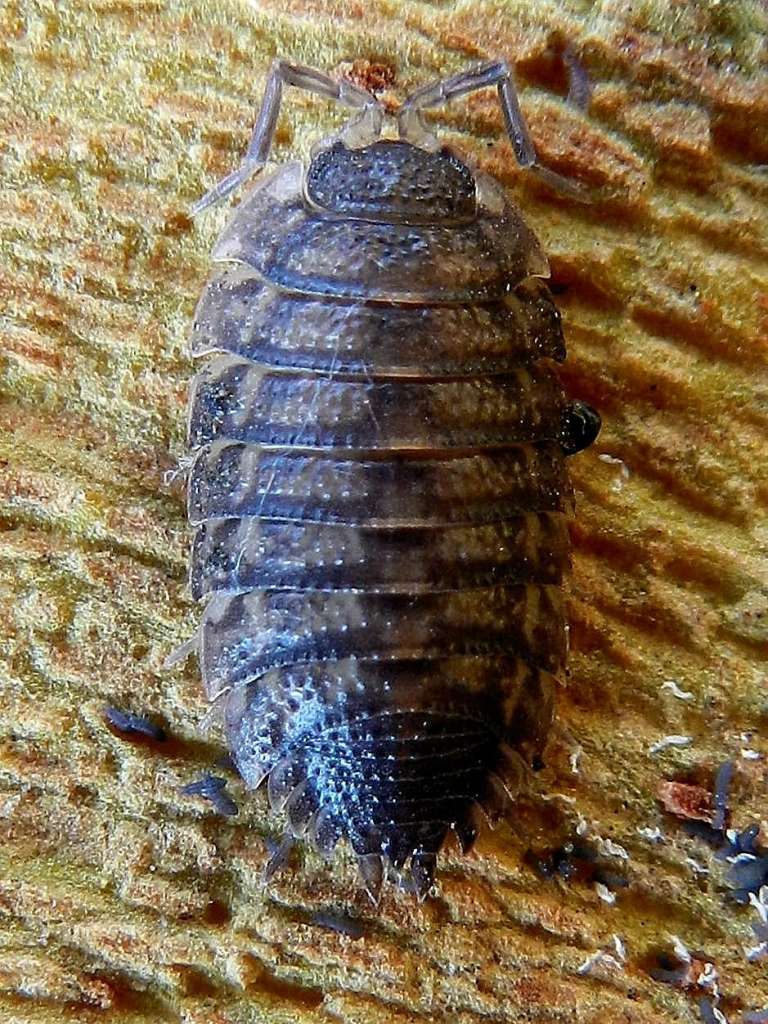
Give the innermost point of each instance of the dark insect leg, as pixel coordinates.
(213, 789)
(581, 425)
(579, 85)
(413, 128)
(284, 73)
(722, 785)
(278, 858)
(371, 869)
(468, 829)
(423, 867)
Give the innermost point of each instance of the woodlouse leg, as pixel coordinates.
(413, 128)
(182, 652)
(371, 869)
(212, 788)
(283, 73)
(278, 858)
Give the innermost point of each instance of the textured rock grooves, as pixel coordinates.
(126, 902)
(386, 660)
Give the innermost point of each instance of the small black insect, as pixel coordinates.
(130, 724)
(379, 491)
(342, 924)
(213, 789)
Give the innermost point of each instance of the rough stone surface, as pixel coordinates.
(125, 901)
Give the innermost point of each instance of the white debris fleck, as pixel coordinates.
(170, 476)
(670, 741)
(7, 807)
(611, 460)
(599, 959)
(741, 858)
(582, 826)
(653, 835)
(708, 979)
(574, 760)
(672, 686)
(604, 893)
(608, 848)
(681, 950)
(696, 866)
(563, 797)
(750, 755)
(712, 1014)
(760, 902)
(605, 959)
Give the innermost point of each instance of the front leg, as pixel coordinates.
(283, 73)
(414, 129)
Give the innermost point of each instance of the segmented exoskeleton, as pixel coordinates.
(379, 489)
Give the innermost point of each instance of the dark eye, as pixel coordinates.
(581, 425)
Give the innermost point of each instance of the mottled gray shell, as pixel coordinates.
(379, 497)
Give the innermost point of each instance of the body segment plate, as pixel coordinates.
(244, 635)
(274, 232)
(241, 313)
(231, 479)
(236, 400)
(237, 555)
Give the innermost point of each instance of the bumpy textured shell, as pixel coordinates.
(380, 497)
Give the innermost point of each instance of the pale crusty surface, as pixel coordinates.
(122, 900)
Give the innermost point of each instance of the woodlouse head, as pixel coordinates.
(394, 179)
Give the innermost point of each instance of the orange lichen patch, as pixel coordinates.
(470, 902)
(127, 201)
(673, 130)
(373, 76)
(41, 210)
(341, 10)
(494, 30)
(166, 894)
(53, 982)
(27, 345)
(185, 107)
(686, 801)
(31, 141)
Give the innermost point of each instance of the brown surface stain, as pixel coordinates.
(686, 801)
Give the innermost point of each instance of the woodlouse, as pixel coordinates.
(379, 488)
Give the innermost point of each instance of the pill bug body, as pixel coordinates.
(379, 497)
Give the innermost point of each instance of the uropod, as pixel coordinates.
(378, 488)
